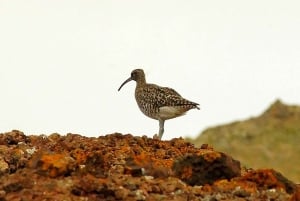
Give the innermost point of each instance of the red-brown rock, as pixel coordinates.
(206, 168)
(123, 167)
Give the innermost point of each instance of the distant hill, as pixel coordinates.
(269, 140)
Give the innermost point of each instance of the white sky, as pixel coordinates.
(62, 61)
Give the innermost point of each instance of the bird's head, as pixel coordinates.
(137, 75)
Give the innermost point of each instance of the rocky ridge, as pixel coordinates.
(123, 167)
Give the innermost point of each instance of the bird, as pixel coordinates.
(156, 102)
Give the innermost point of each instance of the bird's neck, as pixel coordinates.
(141, 82)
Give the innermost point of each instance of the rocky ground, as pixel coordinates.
(123, 167)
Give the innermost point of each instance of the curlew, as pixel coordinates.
(156, 102)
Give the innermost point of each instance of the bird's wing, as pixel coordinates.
(175, 99)
(162, 96)
(170, 91)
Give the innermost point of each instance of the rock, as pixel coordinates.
(53, 164)
(3, 166)
(206, 168)
(123, 167)
(269, 179)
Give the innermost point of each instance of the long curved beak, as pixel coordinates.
(128, 80)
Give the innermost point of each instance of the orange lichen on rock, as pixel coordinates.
(210, 156)
(269, 179)
(53, 165)
(56, 164)
(79, 155)
(141, 159)
(187, 172)
(145, 160)
(152, 166)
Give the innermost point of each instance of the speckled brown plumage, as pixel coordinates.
(158, 102)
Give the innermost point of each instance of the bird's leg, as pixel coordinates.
(161, 128)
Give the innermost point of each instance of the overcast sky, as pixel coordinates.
(62, 61)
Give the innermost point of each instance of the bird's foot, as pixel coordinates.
(156, 137)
